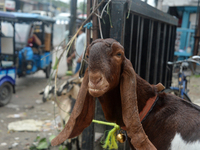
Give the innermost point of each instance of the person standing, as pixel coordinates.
(80, 47)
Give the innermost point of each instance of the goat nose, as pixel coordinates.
(95, 78)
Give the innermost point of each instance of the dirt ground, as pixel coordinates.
(28, 103)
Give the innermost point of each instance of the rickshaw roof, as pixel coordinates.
(6, 16)
(28, 17)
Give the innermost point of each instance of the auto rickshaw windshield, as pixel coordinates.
(22, 32)
(7, 29)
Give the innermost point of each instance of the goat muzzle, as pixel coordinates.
(98, 85)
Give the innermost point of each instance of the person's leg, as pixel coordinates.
(78, 65)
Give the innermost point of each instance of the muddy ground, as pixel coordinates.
(28, 103)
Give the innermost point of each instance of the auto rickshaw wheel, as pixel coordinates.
(6, 91)
(48, 71)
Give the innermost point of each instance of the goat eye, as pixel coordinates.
(119, 54)
(87, 56)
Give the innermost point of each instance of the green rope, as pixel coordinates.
(110, 141)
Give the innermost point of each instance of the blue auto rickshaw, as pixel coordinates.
(7, 57)
(33, 57)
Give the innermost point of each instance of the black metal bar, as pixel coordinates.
(124, 26)
(173, 43)
(73, 13)
(150, 39)
(146, 10)
(140, 46)
(137, 45)
(43, 35)
(156, 54)
(88, 31)
(131, 38)
(52, 28)
(88, 137)
(14, 49)
(168, 50)
(171, 56)
(99, 128)
(0, 27)
(117, 19)
(88, 133)
(162, 52)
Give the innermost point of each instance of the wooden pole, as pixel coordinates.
(72, 27)
(95, 23)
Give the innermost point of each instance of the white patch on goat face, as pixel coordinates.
(179, 144)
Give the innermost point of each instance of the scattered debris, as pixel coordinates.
(26, 125)
(49, 133)
(3, 144)
(20, 115)
(15, 144)
(13, 106)
(17, 138)
(28, 106)
(39, 101)
(27, 146)
(35, 125)
(52, 124)
(49, 114)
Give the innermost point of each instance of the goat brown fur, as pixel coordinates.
(122, 94)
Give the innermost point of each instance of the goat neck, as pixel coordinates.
(111, 105)
(144, 92)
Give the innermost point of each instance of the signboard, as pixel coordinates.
(27, 7)
(10, 5)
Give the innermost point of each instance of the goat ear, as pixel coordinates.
(130, 112)
(81, 116)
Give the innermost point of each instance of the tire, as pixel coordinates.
(48, 71)
(176, 92)
(6, 92)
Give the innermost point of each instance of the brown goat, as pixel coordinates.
(123, 95)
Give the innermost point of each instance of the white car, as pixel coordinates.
(42, 13)
(62, 18)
